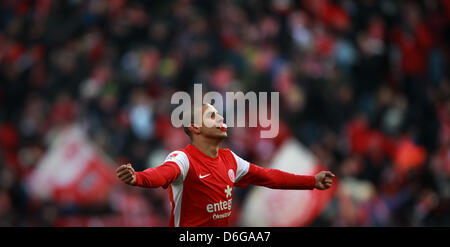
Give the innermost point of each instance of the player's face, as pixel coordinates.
(213, 123)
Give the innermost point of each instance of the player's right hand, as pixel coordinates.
(127, 174)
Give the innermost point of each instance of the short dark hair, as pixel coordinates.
(191, 117)
(188, 132)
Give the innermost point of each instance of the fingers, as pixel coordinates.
(127, 177)
(123, 167)
(126, 173)
(325, 186)
(329, 174)
(128, 180)
(130, 168)
(326, 179)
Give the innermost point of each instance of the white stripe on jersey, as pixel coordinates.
(242, 167)
(181, 159)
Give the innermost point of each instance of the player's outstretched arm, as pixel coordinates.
(160, 176)
(324, 180)
(277, 179)
(127, 174)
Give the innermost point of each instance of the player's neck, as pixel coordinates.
(208, 147)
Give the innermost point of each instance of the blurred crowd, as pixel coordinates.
(364, 84)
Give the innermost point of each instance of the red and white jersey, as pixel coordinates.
(201, 187)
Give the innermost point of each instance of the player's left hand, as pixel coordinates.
(324, 180)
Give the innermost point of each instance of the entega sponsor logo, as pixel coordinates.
(219, 206)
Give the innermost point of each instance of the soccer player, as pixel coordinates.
(200, 178)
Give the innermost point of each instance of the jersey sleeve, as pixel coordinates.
(174, 168)
(275, 179)
(242, 167)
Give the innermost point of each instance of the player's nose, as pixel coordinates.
(220, 118)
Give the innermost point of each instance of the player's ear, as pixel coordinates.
(194, 129)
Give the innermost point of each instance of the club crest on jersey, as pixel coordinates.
(231, 175)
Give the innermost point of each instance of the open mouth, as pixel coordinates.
(222, 127)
